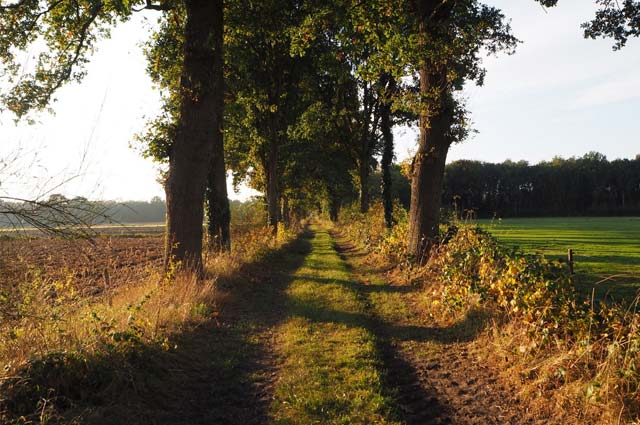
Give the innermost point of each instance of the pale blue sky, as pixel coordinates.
(558, 95)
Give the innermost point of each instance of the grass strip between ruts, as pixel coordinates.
(332, 371)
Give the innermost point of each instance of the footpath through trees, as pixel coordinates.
(310, 333)
(333, 342)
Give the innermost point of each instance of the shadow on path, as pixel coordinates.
(232, 379)
(416, 403)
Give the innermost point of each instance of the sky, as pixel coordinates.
(559, 95)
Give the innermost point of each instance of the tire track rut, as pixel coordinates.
(435, 372)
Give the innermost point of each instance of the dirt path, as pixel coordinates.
(309, 317)
(221, 372)
(435, 371)
(226, 372)
(310, 334)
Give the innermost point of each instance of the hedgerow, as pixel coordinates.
(586, 351)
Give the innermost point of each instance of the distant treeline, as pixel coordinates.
(590, 185)
(134, 211)
(58, 210)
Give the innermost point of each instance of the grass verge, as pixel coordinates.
(572, 359)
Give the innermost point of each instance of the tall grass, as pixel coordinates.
(47, 325)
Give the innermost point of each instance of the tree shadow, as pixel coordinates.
(389, 289)
(464, 330)
(415, 403)
(220, 372)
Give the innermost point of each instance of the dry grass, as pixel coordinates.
(48, 319)
(574, 362)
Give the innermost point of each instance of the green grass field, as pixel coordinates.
(606, 249)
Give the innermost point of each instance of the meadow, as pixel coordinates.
(606, 249)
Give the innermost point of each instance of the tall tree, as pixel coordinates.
(165, 68)
(70, 29)
(199, 131)
(451, 35)
(386, 125)
(217, 200)
(614, 19)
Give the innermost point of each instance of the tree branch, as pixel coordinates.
(151, 6)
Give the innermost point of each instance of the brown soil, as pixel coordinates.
(105, 262)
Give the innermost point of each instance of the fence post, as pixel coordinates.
(570, 259)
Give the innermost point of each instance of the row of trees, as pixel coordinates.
(297, 97)
(590, 185)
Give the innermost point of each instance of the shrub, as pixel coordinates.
(587, 350)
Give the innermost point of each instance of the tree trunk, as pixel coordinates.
(219, 214)
(334, 206)
(363, 161)
(273, 196)
(387, 154)
(427, 179)
(364, 183)
(286, 211)
(191, 154)
(435, 119)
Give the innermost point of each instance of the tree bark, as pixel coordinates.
(334, 206)
(219, 214)
(365, 150)
(191, 154)
(364, 183)
(286, 214)
(273, 196)
(427, 181)
(387, 154)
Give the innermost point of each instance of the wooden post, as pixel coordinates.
(570, 259)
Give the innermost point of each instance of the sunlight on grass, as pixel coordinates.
(605, 247)
(331, 374)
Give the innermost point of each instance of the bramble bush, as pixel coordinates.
(585, 347)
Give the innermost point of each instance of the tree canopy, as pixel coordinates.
(296, 97)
